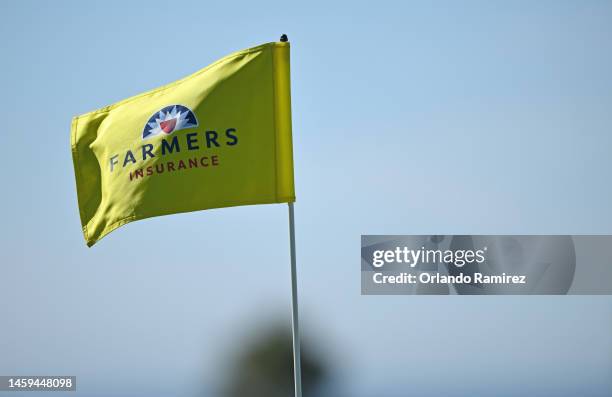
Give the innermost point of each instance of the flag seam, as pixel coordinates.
(274, 122)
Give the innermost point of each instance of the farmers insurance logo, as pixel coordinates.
(169, 119)
(176, 152)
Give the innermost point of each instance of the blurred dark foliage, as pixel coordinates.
(265, 368)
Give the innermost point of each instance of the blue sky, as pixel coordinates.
(409, 118)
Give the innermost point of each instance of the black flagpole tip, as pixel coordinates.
(284, 38)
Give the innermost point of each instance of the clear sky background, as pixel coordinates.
(409, 118)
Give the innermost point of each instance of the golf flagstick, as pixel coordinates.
(297, 368)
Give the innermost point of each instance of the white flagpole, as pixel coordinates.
(297, 367)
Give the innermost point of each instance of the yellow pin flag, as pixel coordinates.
(218, 138)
